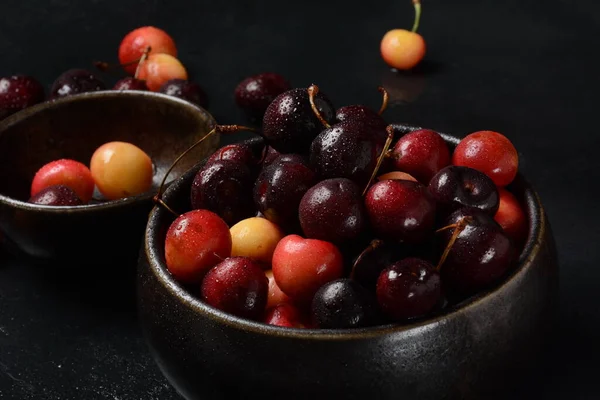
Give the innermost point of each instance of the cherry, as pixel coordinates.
(301, 266)
(511, 218)
(160, 68)
(454, 187)
(365, 115)
(397, 175)
(238, 286)
(121, 169)
(235, 152)
(344, 304)
(270, 156)
(279, 190)
(285, 315)
(195, 242)
(75, 81)
(224, 187)
(131, 83)
(185, 90)
(371, 261)
(57, 195)
(477, 251)
(290, 125)
(400, 210)
(19, 92)
(255, 238)
(403, 49)
(408, 289)
(489, 152)
(276, 296)
(421, 153)
(333, 211)
(70, 173)
(135, 43)
(255, 93)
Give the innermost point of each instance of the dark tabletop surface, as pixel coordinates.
(525, 68)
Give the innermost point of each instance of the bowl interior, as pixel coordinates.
(74, 127)
(178, 194)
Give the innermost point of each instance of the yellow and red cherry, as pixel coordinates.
(403, 49)
(396, 175)
(276, 296)
(255, 238)
(286, 315)
(159, 68)
(135, 43)
(121, 169)
(69, 173)
(511, 217)
(196, 241)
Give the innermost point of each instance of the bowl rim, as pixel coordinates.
(29, 112)
(537, 230)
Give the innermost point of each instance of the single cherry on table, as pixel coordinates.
(403, 49)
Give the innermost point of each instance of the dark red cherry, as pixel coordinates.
(270, 156)
(185, 90)
(235, 152)
(290, 125)
(56, 195)
(75, 81)
(255, 93)
(225, 188)
(408, 289)
(454, 187)
(364, 115)
(333, 211)
(131, 83)
(19, 92)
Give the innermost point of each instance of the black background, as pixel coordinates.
(528, 69)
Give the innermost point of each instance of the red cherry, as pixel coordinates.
(511, 217)
(70, 173)
(195, 242)
(301, 266)
(285, 315)
(276, 296)
(134, 45)
(238, 286)
(421, 154)
(489, 152)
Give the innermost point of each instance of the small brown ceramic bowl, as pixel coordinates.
(474, 350)
(73, 127)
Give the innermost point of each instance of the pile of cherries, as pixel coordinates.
(336, 223)
(117, 170)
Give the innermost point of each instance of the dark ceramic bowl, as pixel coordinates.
(73, 127)
(473, 350)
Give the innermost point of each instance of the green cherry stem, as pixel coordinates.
(417, 4)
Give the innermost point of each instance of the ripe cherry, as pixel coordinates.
(75, 81)
(489, 152)
(397, 175)
(511, 217)
(135, 43)
(255, 238)
(235, 152)
(255, 93)
(238, 286)
(403, 49)
(121, 169)
(276, 296)
(19, 92)
(195, 242)
(421, 153)
(286, 315)
(131, 83)
(185, 90)
(57, 195)
(70, 173)
(160, 68)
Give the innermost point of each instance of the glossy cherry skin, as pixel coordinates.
(185, 90)
(19, 92)
(400, 210)
(276, 296)
(301, 266)
(333, 210)
(346, 150)
(195, 242)
(134, 45)
(270, 155)
(255, 238)
(57, 195)
(238, 286)
(344, 304)
(279, 189)
(255, 93)
(421, 153)
(408, 289)
(285, 315)
(289, 123)
(70, 173)
(160, 68)
(454, 187)
(235, 152)
(402, 49)
(75, 81)
(364, 115)
(489, 152)
(131, 83)
(511, 217)
(224, 187)
(481, 255)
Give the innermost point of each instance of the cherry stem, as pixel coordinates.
(417, 4)
(313, 90)
(458, 228)
(141, 61)
(375, 243)
(385, 100)
(382, 156)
